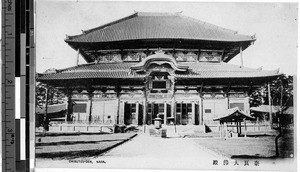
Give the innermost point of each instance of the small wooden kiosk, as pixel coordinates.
(236, 116)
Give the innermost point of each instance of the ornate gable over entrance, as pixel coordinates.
(158, 62)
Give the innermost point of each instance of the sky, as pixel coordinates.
(275, 26)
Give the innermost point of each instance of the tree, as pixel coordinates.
(54, 95)
(281, 93)
(281, 96)
(46, 95)
(257, 97)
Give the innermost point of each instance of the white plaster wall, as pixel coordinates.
(218, 108)
(105, 111)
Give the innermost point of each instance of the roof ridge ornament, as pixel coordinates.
(159, 51)
(179, 12)
(51, 70)
(260, 68)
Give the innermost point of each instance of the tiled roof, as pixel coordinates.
(51, 109)
(224, 70)
(234, 115)
(122, 70)
(275, 109)
(158, 26)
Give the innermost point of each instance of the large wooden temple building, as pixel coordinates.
(156, 64)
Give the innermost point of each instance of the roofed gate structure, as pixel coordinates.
(150, 64)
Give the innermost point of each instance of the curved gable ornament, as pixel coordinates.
(158, 59)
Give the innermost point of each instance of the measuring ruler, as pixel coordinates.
(8, 86)
(17, 65)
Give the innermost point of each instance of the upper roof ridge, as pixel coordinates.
(136, 14)
(149, 14)
(138, 20)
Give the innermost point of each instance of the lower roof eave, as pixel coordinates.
(88, 81)
(270, 77)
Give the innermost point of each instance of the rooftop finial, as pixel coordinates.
(159, 51)
(260, 68)
(178, 13)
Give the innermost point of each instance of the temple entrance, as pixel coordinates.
(163, 110)
(130, 113)
(183, 113)
(133, 114)
(186, 113)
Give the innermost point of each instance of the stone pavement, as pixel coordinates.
(146, 151)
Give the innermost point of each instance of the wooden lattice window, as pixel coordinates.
(207, 110)
(79, 108)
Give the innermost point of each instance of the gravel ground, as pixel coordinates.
(148, 152)
(250, 147)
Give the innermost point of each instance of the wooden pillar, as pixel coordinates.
(193, 113)
(152, 113)
(180, 116)
(118, 105)
(145, 114)
(226, 130)
(165, 113)
(136, 121)
(173, 106)
(241, 55)
(221, 129)
(201, 105)
(45, 121)
(145, 110)
(240, 127)
(175, 109)
(90, 94)
(245, 127)
(70, 105)
(270, 106)
(121, 112)
(227, 95)
(257, 122)
(222, 55)
(201, 111)
(228, 102)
